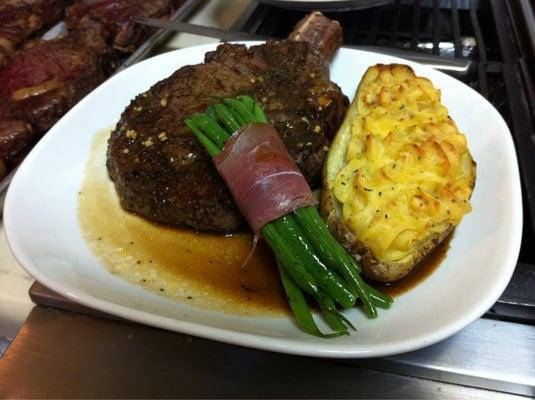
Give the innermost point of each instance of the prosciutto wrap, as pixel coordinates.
(261, 176)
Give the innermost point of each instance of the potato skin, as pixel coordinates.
(331, 212)
(372, 268)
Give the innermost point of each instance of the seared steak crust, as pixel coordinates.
(162, 173)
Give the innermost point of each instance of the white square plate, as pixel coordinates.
(43, 231)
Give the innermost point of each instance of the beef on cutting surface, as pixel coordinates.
(117, 18)
(20, 19)
(15, 137)
(44, 80)
(162, 173)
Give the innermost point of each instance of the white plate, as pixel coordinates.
(44, 235)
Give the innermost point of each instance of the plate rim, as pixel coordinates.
(253, 340)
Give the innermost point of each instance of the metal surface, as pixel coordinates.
(528, 14)
(328, 5)
(177, 26)
(469, 358)
(452, 66)
(59, 354)
(519, 105)
(489, 354)
(516, 302)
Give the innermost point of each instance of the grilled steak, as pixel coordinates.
(19, 19)
(117, 18)
(163, 174)
(41, 82)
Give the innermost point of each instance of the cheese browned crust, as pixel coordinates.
(398, 176)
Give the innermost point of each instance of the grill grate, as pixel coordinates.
(498, 36)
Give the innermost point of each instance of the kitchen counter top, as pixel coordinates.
(487, 354)
(125, 360)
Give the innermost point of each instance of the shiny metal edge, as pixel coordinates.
(97, 358)
(489, 354)
(452, 66)
(328, 6)
(200, 30)
(529, 15)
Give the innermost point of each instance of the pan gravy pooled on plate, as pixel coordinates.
(201, 269)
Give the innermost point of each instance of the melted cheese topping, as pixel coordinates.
(408, 172)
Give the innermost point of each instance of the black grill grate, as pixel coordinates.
(498, 36)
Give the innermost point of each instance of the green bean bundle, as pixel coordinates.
(309, 258)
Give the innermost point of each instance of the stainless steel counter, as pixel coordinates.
(70, 351)
(67, 350)
(64, 354)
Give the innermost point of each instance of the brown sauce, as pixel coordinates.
(201, 269)
(421, 272)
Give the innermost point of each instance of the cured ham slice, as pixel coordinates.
(261, 176)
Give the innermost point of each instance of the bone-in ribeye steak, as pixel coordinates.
(159, 169)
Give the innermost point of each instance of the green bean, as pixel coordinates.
(260, 116)
(226, 118)
(309, 258)
(380, 299)
(334, 318)
(322, 239)
(210, 147)
(309, 217)
(211, 129)
(210, 112)
(248, 102)
(299, 306)
(290, 260)
(242, 121)
(240, 109)
(328, 280)
(301, 275)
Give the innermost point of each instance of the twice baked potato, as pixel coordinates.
(398, 176)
